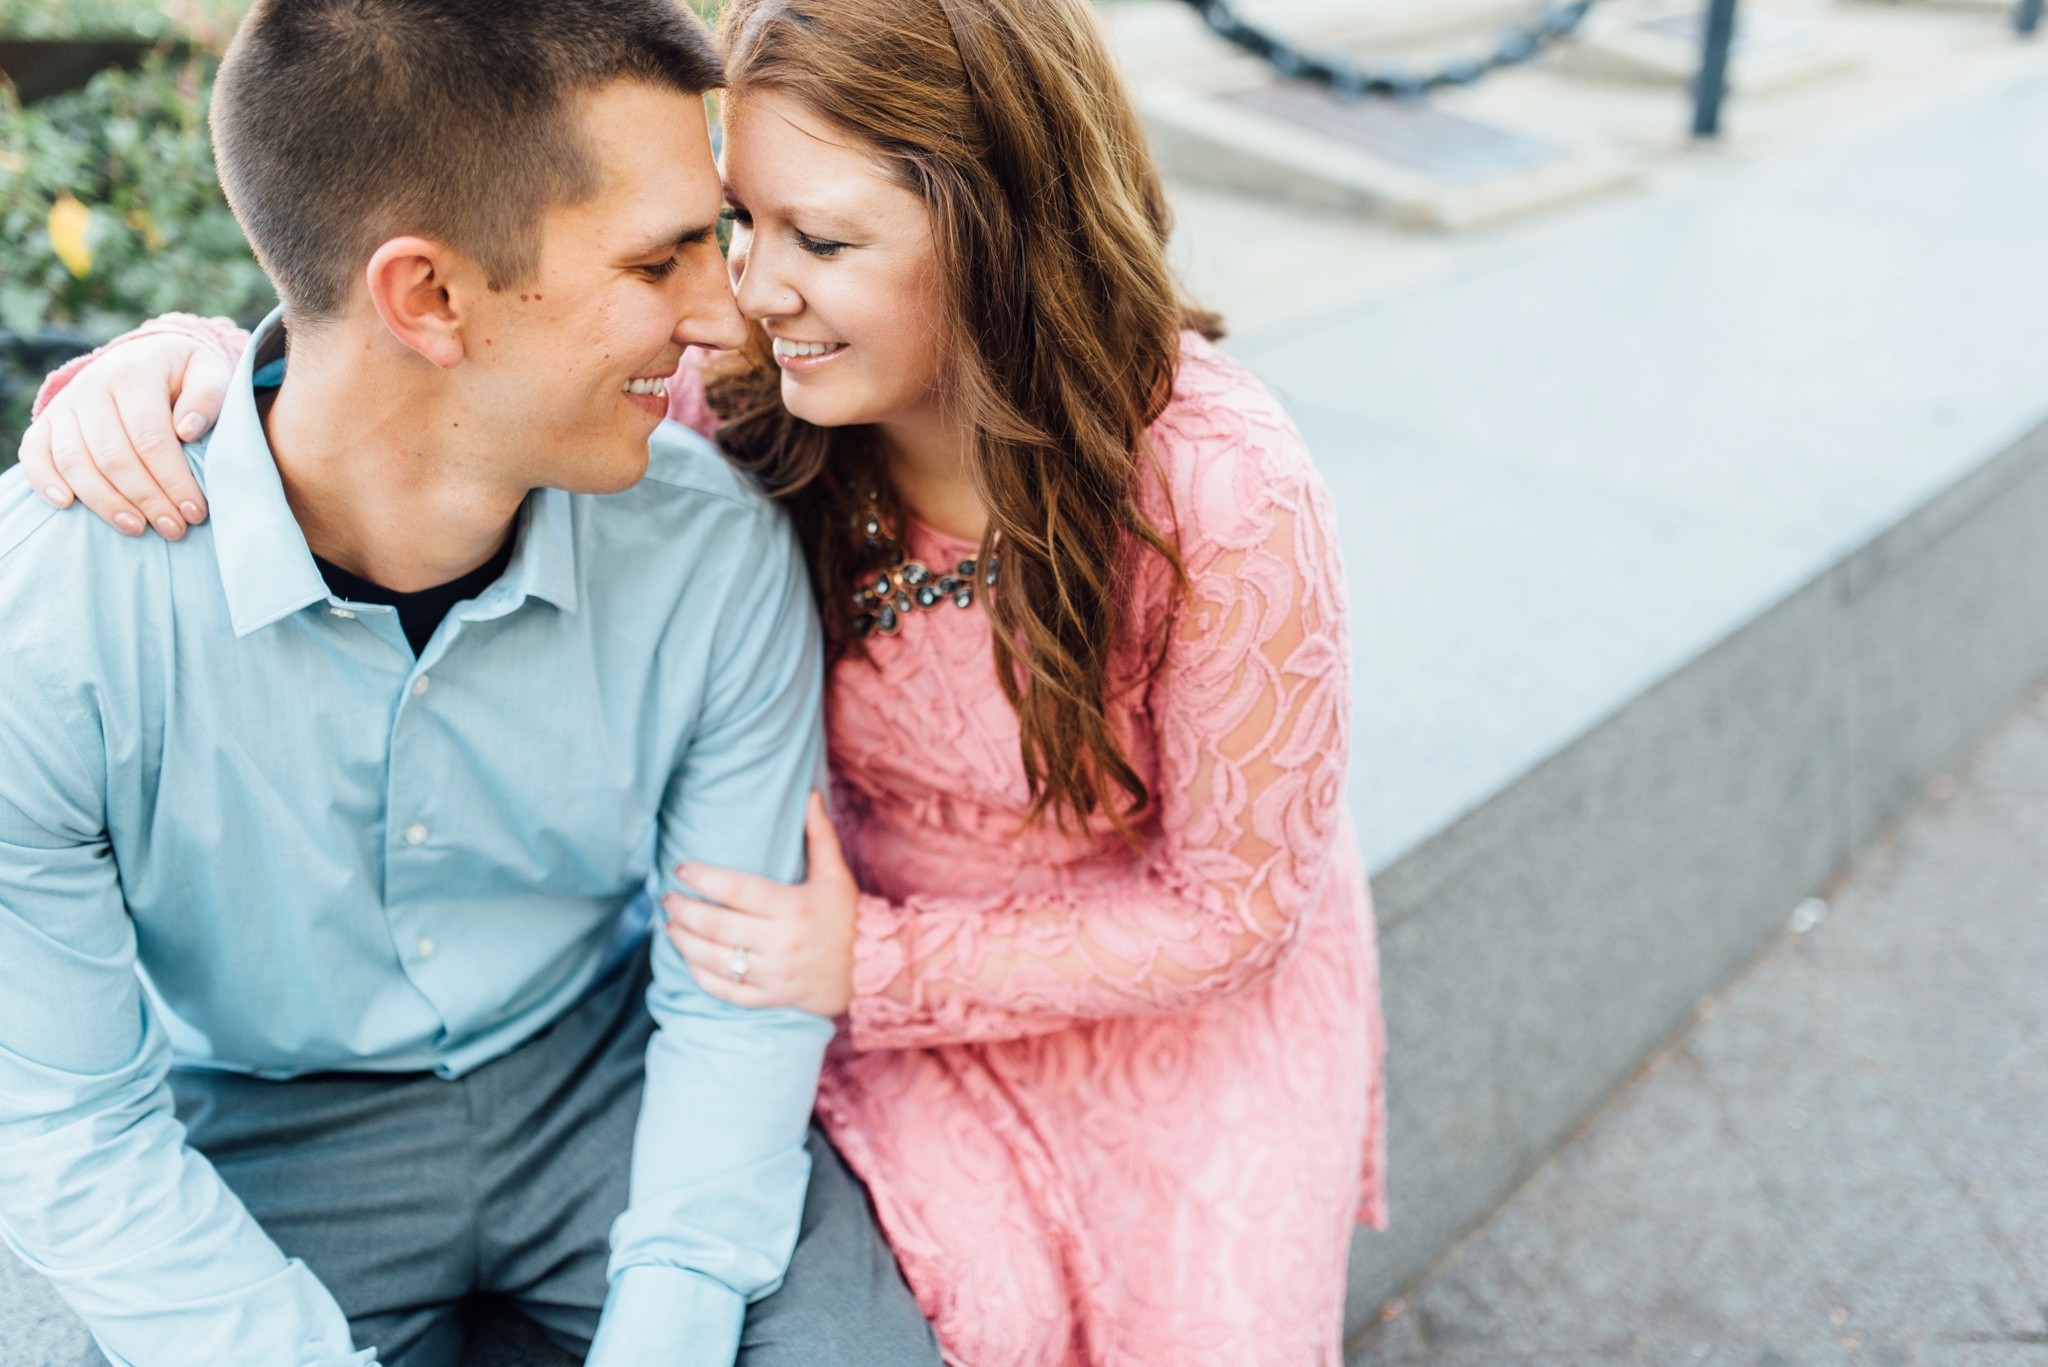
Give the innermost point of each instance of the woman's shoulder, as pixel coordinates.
(1227, 452)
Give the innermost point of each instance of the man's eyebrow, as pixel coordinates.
(688, 237)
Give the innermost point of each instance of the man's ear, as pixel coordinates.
(415, 285)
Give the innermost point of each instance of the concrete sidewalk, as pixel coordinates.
(1843, 1159)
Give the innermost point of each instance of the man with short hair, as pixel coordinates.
(327, 838)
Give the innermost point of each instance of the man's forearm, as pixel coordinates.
(141, 1237)
(719, 1172)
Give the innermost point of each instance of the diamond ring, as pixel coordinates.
(738, 967)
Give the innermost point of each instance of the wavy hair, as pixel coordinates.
(1009, 120)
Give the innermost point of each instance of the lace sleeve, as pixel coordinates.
(1251, 711)
(221, 334)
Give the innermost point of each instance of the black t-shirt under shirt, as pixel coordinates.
(418, 613)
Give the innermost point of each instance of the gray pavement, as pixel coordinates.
(1844, 1159)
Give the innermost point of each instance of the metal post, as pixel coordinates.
(2027, 17)
(1713, 84)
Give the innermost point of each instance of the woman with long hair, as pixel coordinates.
(1110, 1060)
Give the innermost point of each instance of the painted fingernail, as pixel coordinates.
(191, 511)
(190, 426)
(57, 496)
(129, 523)
(167, 526)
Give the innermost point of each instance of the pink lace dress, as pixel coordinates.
(1121, 1108)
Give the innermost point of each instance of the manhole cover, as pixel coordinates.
(1443, 146)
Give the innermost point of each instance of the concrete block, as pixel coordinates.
(1536, 950)
(1661, 45)
(1539, 948)
(1949, 628)
(1841, 1162)
(1284, 142)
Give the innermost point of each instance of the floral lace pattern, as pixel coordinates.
(1117, 1107)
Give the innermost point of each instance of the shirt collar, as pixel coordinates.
(544, 562)
(266, 568)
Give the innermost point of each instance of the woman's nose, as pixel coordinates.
(762, 291)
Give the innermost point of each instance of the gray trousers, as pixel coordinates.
(417, 1200)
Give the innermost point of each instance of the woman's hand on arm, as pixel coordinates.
(111, 438)
(798, 939)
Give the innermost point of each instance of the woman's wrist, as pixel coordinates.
(211, 333)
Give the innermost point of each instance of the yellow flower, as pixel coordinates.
(69, 223)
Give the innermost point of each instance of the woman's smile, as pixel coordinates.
(801, 358)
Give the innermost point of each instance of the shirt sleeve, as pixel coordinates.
(1251, 714)
(719, 1165)
(98, 1190)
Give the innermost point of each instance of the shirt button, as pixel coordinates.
(426, 946)
(342, 612)
(419, 686)
(416, 834)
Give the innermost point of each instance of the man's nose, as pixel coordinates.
(713, 319)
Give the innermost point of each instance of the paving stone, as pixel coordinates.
(1843, 1160)
(36, 1328)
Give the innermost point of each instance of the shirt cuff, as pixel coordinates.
(668, 1317)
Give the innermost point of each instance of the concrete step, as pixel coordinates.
(1413, 165)
(1689, 535)
(1840, 1159)
(1659, 43)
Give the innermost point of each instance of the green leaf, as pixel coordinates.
(22, 308)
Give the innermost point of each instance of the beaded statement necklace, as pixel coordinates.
(898, 586)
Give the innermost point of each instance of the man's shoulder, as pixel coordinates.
(22, 513)
(82, 603)
(689, 496)
(683, 462)
(63, 554)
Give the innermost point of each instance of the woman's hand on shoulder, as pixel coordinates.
(792, 944)
(111, 438)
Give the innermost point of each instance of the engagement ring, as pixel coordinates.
(738, 967)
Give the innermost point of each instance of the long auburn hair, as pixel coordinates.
(1009, 119)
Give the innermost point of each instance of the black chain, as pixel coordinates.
(1345, 78)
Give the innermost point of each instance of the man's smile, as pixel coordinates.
(648, 393)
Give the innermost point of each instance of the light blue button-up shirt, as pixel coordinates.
(242, 827)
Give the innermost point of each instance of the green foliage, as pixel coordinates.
(127, 165)
(132, 149)
(59, 19)
(207, 22)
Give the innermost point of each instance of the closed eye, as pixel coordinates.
(816, 247)
(661, 270)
